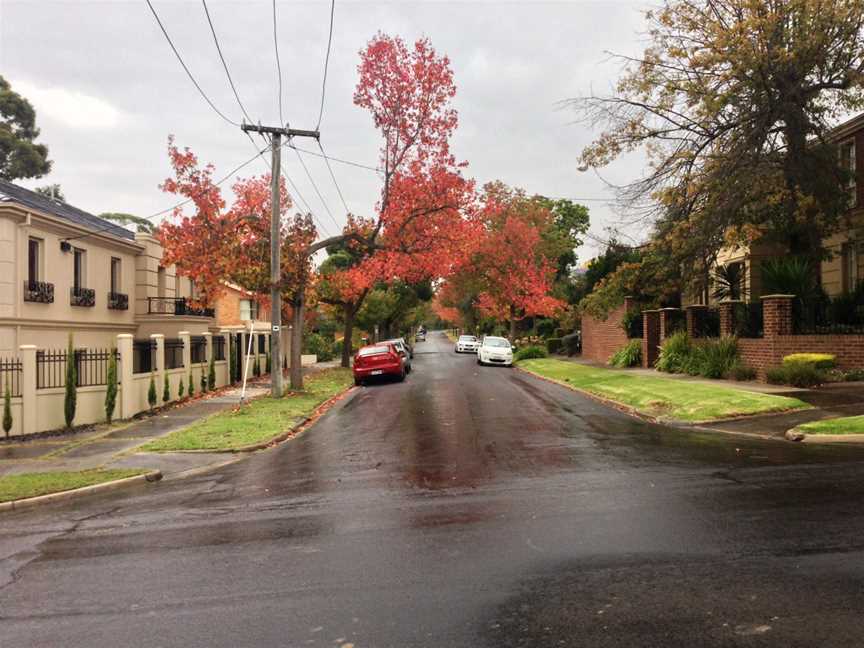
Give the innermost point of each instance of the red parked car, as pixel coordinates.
(378, 360)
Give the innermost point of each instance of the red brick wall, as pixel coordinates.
(228, 308)
(762, 354)
(602, 338)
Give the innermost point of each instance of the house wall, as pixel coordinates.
(602, 338)
(228, 308)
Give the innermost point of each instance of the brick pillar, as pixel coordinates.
(128, 398)
(777, 315)
(695, 317)
(727, 317)
(650, 337)
(27, 353)
(666, 316)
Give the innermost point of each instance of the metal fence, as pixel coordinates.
(91, 367)
(218, 347)
(174, 353)
(197, 349)
(749, 320)
(10, 376)
(840, 316)
(706, 323)
(677, 321)
(633, 326)
(142, 356)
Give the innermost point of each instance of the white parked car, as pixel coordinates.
(467, 344)
(495, 350)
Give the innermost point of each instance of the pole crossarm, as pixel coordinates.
(277, 130)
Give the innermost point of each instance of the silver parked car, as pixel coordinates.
(467, 344)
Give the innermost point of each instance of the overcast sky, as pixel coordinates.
(108, 90)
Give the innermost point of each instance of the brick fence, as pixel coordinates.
(602, 338)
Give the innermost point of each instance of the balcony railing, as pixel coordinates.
(39, 291)
(118, 301)
(82, 297)
(172, 306)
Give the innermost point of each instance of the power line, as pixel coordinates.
(278, 63)
(222, 58)
(326, 63)
(340, 160)
(188, 73)
(332, 175)
(315, 186)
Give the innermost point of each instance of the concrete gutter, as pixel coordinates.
(796, 434)
(116, 484)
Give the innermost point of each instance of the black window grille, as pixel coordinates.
(10, 376)
(218, 347)
(142, 356)
(174, 353)
(198, 349)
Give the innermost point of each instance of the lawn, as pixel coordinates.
(260, 420)
(13, 487)
(845, 425)
(662, 398)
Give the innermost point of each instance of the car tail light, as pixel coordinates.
(358, 360)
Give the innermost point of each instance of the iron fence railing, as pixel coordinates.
(218, 347)
(91, 367)
(676, 321)
(10, 376)
(82, 297)
(173, 353)
(197, 349)
(176, 306)
(50, 368)
(142, 356)
(633, 325)
(749, 320)
(706, 323)
(38, 291)
(118, 301)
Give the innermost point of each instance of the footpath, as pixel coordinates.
(117, 447)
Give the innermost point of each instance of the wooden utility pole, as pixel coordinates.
(276, 134)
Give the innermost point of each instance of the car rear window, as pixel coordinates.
(496, 342)
(373, 350)
(467, 338)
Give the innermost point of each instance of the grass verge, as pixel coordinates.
(662, 398)
(259, 421)
(845, 425)
(15, 487)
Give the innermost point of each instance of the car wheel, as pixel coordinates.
(358, 382)
(402, 376)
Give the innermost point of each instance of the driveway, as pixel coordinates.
(465, 507)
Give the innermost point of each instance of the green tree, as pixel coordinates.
(211, 375)
(191, 384)
(111, 387)
(733, 101)
(166, 390)
(52, 191)
(7, 410)
(71, 396)
(151, 392)
(20, 156)
(181, 388)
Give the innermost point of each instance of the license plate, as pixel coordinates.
(377, 372)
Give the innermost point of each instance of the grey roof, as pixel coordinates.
(13, 193)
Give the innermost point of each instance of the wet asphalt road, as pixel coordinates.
(465, 507)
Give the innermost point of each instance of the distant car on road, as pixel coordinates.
(402, 347)
(495, 350)
(467, 344)
(378, 360)
(420, 336)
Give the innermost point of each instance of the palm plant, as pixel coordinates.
(790, 276)
(729, 282)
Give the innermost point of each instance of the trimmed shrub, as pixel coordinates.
(546, 327)
(191, 385)
(818, 360)
(797, 374)
(675, 353)
(629, 355)
(203, 379)
(320, 346)
(530, 352)
(7, 411)
(554, 345)
(211, 373)
(181, 389)
(70, 399)
(151, 392)
(572, 344)
(853, 375)
(166, 390)
(111, 387)
(742, 372)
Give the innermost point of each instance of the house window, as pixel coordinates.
(160, 282)
(115, 275)
(847, 162)
(79, 269)
(248, 309)
(850, 266)
(33, 254)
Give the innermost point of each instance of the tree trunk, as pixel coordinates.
(512, 324)
(297, 339)
(349, 333)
